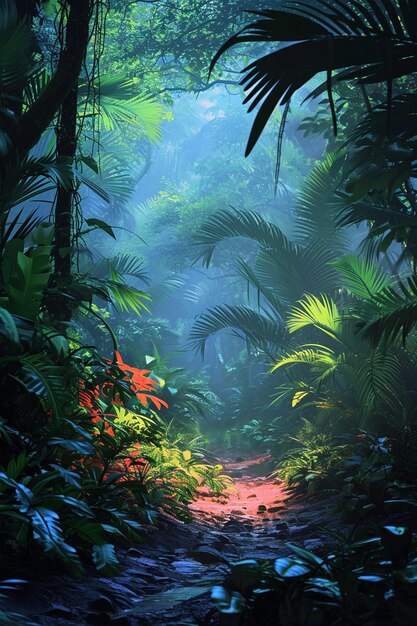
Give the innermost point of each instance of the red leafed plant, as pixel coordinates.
(140, 383)
(137, 380)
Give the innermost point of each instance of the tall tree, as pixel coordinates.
(22, 127)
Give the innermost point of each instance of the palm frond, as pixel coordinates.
(264, 333)
(375, 211)
(162, 291)
(124, 264)
(113, 183)
(44, 378)
(318, 205)
(353, 38)
(378, 380)
(252, 278)
(295, 390)
(361, 276)
(293, 271)
(121, 102)
(36, 83)
(128, 298)
(116, 292)
(14, 43)
(393, 313)
(320, 312)
(19, 227)
(233, 223)
(35, 176)
(311, 354)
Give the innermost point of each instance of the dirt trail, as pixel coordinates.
(163, 581)
(253, 498)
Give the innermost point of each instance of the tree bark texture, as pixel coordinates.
(26, 132)
(66, 148)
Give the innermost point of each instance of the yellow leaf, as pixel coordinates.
(298, 397)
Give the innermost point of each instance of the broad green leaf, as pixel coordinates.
(8, 326)
(290, 568)
(96, 223)
(105, 560)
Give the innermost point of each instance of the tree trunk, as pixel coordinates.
(26, 132)
(66, 149)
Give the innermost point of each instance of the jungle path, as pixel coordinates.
(166, 580)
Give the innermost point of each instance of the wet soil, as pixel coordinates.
(166, 580)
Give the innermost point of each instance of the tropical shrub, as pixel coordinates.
(311, 459)
(89, 477)
(362, 581)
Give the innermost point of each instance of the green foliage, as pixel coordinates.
(48, 506)
(120, 104)
(313, 459)
(26, 273)
(191, 31)
(319, 312)
(181, 472)
(363, 581)
(283, 270)
(89, 450)
(261, 331)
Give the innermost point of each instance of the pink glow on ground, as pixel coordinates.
(245, 496)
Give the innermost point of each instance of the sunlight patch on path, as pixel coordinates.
(254, 497)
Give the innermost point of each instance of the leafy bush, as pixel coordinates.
(313, 460)
(87, 473)
(367, 581)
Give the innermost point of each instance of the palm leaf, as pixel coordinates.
(36, 83)
(325, 36)
(261, 331)
(320, 312)
(393, 312)
(19, 227)
(116, 292)
(113, 184)
(378, 381)
(361, 276)
(35, 176)
(292, 271)
(233, 223)
(316, 355)
(318, 205)
(127, 298)
(119, 266)
(14, 42)
(41, 376)
(121, 102)
(246, 272)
